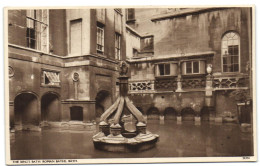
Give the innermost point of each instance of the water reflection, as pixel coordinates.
(176, 140)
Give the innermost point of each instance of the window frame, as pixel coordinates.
(192, 67)
(164, 69)
(225, 51)
(40, 26)
(118, 46)
(102, 28)
(44, 75)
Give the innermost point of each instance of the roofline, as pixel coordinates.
(184, 13)
(137, 34)
(172, 57)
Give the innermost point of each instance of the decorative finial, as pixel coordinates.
(123, 68)
(209, 69)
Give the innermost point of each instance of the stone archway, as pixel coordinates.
(153, 114)
(26, 113)
(188, 114)
(103, 102)
(50, 108)
(170, 114)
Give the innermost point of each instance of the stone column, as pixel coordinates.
(123, 85)
(11, 116)
(39, 117)
(209, 98)
(179, 79)
(161, 119)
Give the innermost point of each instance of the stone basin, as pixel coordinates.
(119, 143)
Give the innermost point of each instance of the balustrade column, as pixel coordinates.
(179, 78)
(209, 100)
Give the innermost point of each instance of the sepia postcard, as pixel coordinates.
(126, 84)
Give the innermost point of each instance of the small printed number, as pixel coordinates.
(246, 157)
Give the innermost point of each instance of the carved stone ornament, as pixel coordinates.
(209, 69)
(10, 71)
(123, 68)
(75, 77)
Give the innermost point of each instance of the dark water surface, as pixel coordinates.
(176, 140)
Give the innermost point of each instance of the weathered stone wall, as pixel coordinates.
(96, 72)
(142, 71)
(58, 32)
(191, 33)
(182, 33)
(161, 101)
(17, 27)
(132, 42)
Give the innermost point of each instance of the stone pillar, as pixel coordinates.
(141, 128)
(209, 98)
(39, 116)
(197, 120)
(104, 127)
(179, 79)
(11, 116)
(179, 119)
(161, 119)
(123, 85)
(115, 129)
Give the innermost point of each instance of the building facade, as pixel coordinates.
(63, 65)
(188, 61)
(184, 63)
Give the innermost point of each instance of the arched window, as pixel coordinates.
(230, 51)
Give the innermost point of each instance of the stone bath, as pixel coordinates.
(176, 140)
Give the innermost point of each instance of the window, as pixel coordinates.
(37, 29)
(230, 52)
(51, 78)
(118, 46)
(192, 67)
(100, 38)
(130, 14)
(164, 69)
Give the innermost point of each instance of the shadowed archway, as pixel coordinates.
(25, 110)
(50, 107)
(170, 114)
(187, 114)
(153, 113)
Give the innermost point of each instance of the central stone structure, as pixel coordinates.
(122, 127)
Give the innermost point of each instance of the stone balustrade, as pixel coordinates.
(135, 86)
(186, 83)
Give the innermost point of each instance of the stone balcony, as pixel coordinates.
(188, 84)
